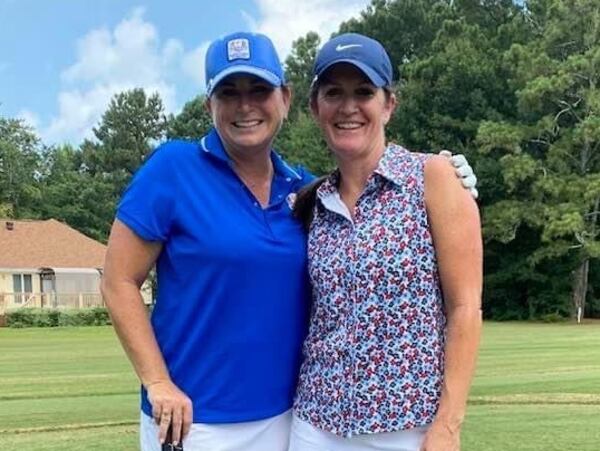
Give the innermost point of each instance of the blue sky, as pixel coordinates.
(62, 60)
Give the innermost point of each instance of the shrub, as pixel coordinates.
(32, 317)
(19, 318)
(100, 315)
(53, 317)
(554, 317)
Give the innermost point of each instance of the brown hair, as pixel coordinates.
(305, 202)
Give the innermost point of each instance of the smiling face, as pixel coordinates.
(248, 112)
(352, 112)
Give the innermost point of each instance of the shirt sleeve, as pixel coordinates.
(148, 204)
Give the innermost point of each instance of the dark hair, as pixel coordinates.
(305, 202)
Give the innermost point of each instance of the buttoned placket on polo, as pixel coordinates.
(283, 174)
(274, 197)
(333, 202)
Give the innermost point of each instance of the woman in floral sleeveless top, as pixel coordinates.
(395, 259)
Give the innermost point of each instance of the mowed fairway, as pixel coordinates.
(537, 388)
(66, 389)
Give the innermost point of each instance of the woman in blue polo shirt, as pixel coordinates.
(223, 344)
(219, 358)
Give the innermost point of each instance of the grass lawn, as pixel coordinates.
(66, 389)
(537, 388)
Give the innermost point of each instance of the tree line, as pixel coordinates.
(512, 85)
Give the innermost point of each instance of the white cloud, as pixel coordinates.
(80, 110)
(286, 20)
(172, 52)
(30, 118)
(193, 64)
(129, 53)
(111, 61)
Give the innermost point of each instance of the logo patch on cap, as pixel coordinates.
(238, 49)
(341, 48)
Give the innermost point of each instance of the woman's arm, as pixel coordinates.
(128, 261)
(456, 231)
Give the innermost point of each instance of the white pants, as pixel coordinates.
(306, 437)
(271, 434)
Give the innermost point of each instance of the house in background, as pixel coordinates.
(48, 264)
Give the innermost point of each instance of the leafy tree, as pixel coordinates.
(19, 163)
(6, 210)
(125, 136)
(72, 195)
(129, 128)
(549, 152)
(298, 67)
(192, 123)
(300, 140)
(301, 143)
(406, 28)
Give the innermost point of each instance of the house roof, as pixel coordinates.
(50, 243)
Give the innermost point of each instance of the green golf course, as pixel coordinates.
(537, 388)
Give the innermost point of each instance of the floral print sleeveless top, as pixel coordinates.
(373, 359)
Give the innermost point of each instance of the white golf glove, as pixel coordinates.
(464, 171)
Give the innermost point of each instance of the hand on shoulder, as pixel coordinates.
(463, 171)
(442, 184)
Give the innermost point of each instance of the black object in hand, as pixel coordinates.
(168, 444)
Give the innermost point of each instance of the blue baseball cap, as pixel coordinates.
(365, 53)
(242, 53)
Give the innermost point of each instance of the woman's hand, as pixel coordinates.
(170, 407)
(128, 260)
(441, 437)
(463, 171)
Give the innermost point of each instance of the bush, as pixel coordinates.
(100, 315)
(592, 308)
(554, 317)
(19, 318)
(53, 317)
(33, 317)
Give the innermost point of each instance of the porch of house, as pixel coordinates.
(72, 288)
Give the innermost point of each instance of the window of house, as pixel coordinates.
(21, 284)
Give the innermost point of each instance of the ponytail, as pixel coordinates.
(305, 202)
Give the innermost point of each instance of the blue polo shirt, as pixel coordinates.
(233, 293)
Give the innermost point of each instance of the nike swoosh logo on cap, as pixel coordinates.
(341, 47)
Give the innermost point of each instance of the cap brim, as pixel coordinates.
(375, 78)
(267, 76)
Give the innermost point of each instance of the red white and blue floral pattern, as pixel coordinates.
(373, 359)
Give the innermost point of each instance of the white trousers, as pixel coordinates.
(271, 434)
(306, 437)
